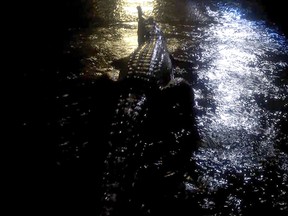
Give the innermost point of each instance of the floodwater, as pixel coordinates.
(240, 85)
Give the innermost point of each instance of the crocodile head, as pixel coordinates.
(150, 62)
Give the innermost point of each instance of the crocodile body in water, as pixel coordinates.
(150, 136)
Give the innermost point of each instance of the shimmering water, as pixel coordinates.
(239, 78)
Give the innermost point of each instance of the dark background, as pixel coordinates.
(43, 29)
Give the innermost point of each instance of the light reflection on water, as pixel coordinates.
(114, 11)
(117, 41)
(129, 7)
(237, 69)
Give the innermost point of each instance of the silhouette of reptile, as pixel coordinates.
(150, 130)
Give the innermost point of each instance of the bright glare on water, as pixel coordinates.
(237, 70)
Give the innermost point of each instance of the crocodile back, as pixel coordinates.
(151, 61)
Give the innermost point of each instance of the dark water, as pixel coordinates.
(239, 80)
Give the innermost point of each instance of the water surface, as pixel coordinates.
(239, 78)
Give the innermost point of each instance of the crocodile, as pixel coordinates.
(150, 62)
(138, 133)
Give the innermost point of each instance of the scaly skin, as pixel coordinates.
(149, 70)
(151, 61)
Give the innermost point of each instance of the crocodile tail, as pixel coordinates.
(141, 27)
